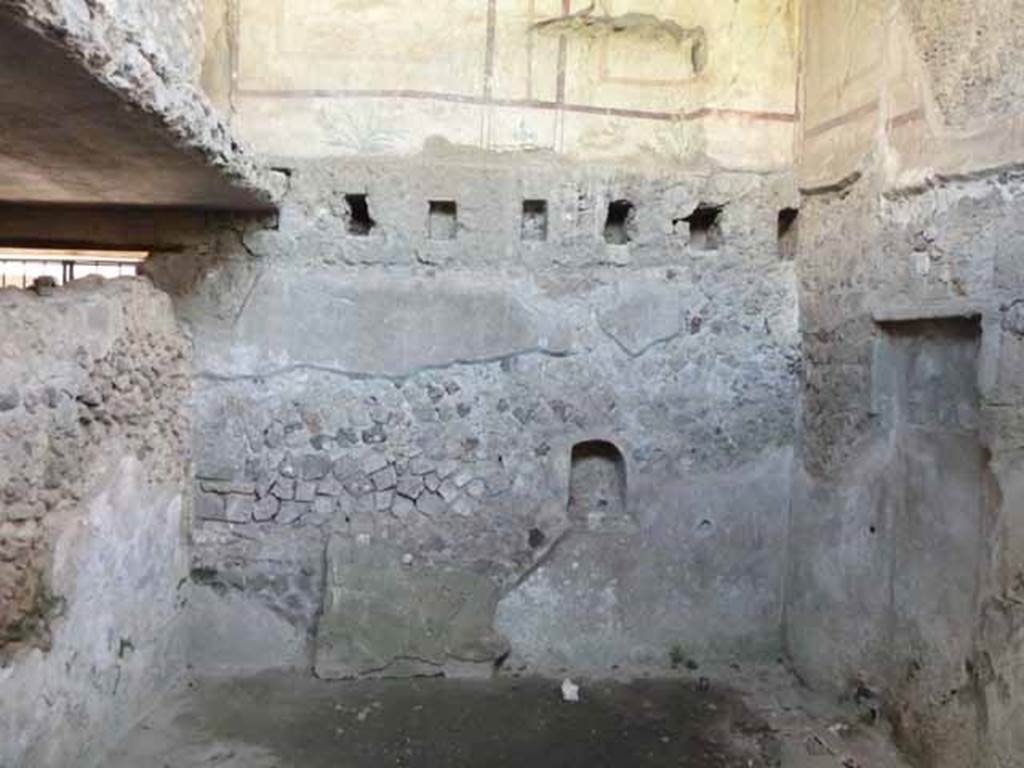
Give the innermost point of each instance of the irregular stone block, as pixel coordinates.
(430, 504)
(287, 467)
(323, 508)
(410, 486)
(305, 491)
(239, 509)
(402, 507)
(359, 485)
(498, 483)
(384, 479)
(266, 509)
(344, 467)
(421, 466)
(283, 489)
(314, 467)
(448, 491)
(242, 487)
(374, 462)
(385, 618)
(463, 506)
(292, 511)
(365, 504)
(330, 487)
(447, 468)
(210, 506)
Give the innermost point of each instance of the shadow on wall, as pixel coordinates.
(926, 374)
(884, 591)
(926, 391)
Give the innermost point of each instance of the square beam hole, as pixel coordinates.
(620, 225)
(535, 220)
(789, 219)
(443, 221)
(705, 229)
(359, 220)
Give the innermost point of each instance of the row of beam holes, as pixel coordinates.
(702, 225)
(442, 218)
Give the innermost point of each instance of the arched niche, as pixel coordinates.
(597, 486)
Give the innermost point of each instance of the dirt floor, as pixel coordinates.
(295, 721)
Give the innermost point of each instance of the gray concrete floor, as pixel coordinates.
(295, 721)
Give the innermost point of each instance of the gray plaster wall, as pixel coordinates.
(904, 574)
(397, 404)
(93, 469)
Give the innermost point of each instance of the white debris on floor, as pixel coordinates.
(570, 691)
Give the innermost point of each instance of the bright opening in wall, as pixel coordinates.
(21, 267)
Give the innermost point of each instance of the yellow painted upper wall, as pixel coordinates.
(843, 61)
(339, 77)
(919, 87)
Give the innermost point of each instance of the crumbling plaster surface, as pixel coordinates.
(970, 51)
(434, 434)
(144, 55)
(933, 86)
(93, 470)
(172, 27)
(905, 564)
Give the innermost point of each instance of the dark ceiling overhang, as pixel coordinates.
(68, 138)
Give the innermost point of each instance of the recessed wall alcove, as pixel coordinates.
(597, 486)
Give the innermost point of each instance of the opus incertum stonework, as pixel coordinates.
(373, 374)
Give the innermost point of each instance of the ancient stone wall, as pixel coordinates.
(902, 574)
(391, 380)
(904, 566)
(94, 450)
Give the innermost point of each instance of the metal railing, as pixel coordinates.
(20, 270)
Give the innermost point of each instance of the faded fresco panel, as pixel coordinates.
(525, 61)
(362, 44)
(519, 128)
(842, 84)
(342, 77)
(310, 126)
